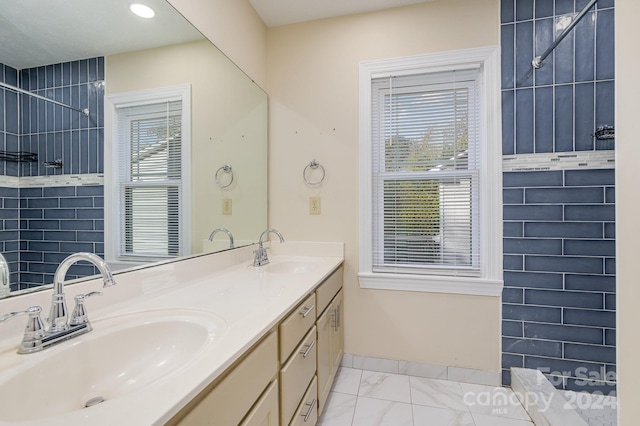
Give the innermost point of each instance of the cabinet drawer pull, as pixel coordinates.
(309, 347)
(307, 310)
(308, 413)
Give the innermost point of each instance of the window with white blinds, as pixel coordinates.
(430, 181)
(425, 173)
(150, 190)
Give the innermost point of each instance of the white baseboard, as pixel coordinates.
(431, 371)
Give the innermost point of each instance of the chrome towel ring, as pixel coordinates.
(228, 170)
(314, 164)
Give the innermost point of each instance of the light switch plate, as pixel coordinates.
(314, 205)
(227, 206)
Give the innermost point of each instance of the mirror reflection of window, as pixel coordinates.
(150, 151)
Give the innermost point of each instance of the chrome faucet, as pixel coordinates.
(261, 257)
(58, 313)
(226, 231)
(4, 277)
(36, 338)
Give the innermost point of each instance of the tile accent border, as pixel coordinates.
(430, 371)
(52, 180)
(559, 161)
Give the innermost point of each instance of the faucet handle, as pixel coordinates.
(261, 258)
(33, 332)
(79, 315)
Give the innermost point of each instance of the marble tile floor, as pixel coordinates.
(597, 410)
(369, 398)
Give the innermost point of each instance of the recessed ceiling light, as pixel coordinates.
(142, 10)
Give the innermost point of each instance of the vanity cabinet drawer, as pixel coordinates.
(307, 413)
(295, 376)
(328, 289)
(296, 325)
(231, 399)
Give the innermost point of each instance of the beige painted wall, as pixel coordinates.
(320, 121)
(235, 28)
(228, 126)
(312, 71)
(627, 14)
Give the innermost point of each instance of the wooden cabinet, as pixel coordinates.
(337, 348)
(330, 347)
(307, 412)
(296, 375)
(266, 411)
(328, 289)
(324, 357)
(286, 378)
(294, 327)
(229, 399)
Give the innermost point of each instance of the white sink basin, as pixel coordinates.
(290, 267)
(121, 355)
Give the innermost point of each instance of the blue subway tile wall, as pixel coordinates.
(9, 114)
(563, 266)
(558, 107)
(39, 226)
(9, 200)
(50, 235)
(10, 232)
(58, 133)
(559, 225)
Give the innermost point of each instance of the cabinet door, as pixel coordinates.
(232, 398)
(337, 331)
(330, 347)
(265, 412)
(325, 357)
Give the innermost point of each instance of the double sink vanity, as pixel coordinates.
(210, 339)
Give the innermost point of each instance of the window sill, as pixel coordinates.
(431, 284)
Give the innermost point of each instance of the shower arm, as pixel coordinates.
(84, 111)
(538, 60)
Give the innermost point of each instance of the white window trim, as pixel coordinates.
(489, 283)
(112, 211)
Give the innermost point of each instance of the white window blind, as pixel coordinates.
(150, 184)
(425, 173)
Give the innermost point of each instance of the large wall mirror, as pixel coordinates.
(58, 185)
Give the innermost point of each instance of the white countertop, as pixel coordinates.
(249, 300)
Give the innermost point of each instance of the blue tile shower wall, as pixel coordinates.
(559, 274)
(9, 231)
(58, 133)
(9, 141)
(557, 107)
(559, 225)
(9, 122)
(40, 226)
(55, 222)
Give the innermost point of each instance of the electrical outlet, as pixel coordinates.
(314, 205)
(227, 206)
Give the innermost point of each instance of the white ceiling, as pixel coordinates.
(42, 32)
(282, 12)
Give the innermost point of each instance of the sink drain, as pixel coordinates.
(94, 401)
